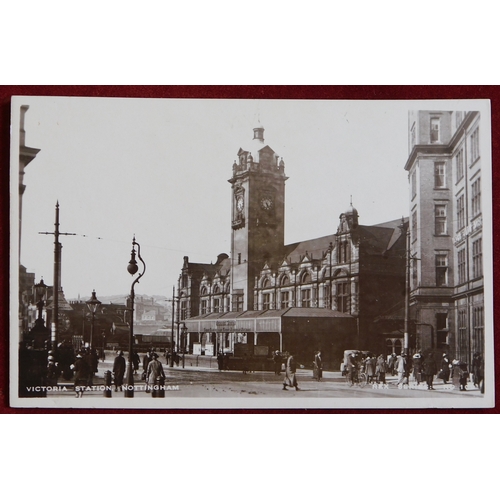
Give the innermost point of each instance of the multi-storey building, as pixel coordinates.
(444, 172)
(329, 293)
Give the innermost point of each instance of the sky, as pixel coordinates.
(158, 169)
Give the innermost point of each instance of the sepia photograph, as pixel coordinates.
(250, 253)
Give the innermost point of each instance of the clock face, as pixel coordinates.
(266, 202)
(239, 203)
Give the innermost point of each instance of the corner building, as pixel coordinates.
(340, 291)
(447, 289)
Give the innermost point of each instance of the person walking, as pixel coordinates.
(417, 367)
(119, 371)
(476, 369)
(381, 369)
(318, 367)
(429, 369)
(220, 360)
(370, 368)
(155, 374)
(290, 374)
(444, 373)
(82, 372)
(352, 368)
(392, 364)
(401, 369)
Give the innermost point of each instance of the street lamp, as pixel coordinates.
(93, 304)
(40, 290)
(132, 268)
(40, 333)
(183, 338)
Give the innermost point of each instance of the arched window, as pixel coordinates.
(285, 280)
(216, 289)
(305, 278)
(266, 283)
(203, 290)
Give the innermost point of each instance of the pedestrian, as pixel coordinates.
(476, 369)
(318, 367)
(145, 361)
(82, 371)
(381, 369)
(392, 364)
(444, 372)
(52, 371)
(463, 372)
(417, 367)
(119, 371)
(290, 374)
(429, 369)
(155, 374)
(89, 359)
(136, 360)
(220, 360)
(277, 362)
(369, 368)
(401, 369)
(352, 368)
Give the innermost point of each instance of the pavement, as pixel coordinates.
(207, 381)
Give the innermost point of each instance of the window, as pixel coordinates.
(266, 301)
(460, 212)
(183, 310)
(414, 226)
(474, 145)
(216, 305)
(439, 175)
(204, 306)
(478, 328)
(343, 252)
(442, 330)
(413, 184)
(462, 332)
(441, 270)
(461, 266)
(184, 281)
(476, 197)
(266, 283)
(435, 130)
(477, 258)
(440, 220)
(459, 164)
(306, 278)
(285, 281)
(306, 297)
(238, 303)
(343, 297)
(285, 300)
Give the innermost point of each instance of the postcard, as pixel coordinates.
(251, 253)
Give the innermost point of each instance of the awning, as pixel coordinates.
(258, 321)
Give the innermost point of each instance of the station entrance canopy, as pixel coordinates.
(293, 329)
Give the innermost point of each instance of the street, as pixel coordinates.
(205, 382)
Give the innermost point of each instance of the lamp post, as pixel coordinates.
(132, 268)
(93, 304)
(183, 342)
(40, 290)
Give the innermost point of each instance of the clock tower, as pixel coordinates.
(258, 216)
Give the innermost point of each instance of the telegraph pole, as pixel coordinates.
(55, 293)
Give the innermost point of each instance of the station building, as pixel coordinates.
(339, 291)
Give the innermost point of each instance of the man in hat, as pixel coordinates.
(119, 370)
(82, 372)
(155, 374)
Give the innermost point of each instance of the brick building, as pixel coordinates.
(339, 291)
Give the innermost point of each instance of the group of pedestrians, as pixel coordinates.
(84, 368)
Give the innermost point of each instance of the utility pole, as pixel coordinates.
(172, 332)
(57, 278)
